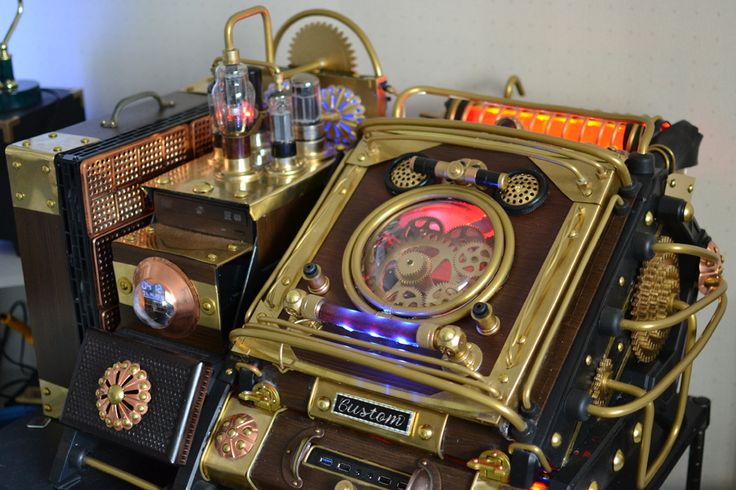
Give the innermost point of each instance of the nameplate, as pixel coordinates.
(373, 413)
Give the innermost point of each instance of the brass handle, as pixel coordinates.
(370, 50)
(296, 452)
(242, 15)
(11, 29)
(123, 103)
(513, 81)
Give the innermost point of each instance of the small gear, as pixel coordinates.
(320, 41)
(657, 285)
(598, 391)
(342, 111)
(440, 293)
(472, 258)
(413, 266)
(461, 235)
(405, 296)
(424, 226)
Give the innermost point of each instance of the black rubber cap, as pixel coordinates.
(671, 209)
(310, 270)
(609, 323)
(480, 310)
(641, 163)
(642, 245)
(577, 403)
(524, 469)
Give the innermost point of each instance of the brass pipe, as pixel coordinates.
(526, 394)
(683, 248)
(368, 345)
(267, 32)
(119, 474)
(607, 156)
(370, 50)
(664, 383)
(13, 25)
(680, 316)
(513, 81)
(380, 364)
(536, 450)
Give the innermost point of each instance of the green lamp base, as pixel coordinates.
(26, 94)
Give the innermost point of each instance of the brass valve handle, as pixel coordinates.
(11, 29)
(124, 102)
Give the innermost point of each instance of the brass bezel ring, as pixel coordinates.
(481, 290)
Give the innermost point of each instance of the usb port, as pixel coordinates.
(401, 485)
(344, 467)
(384, 480)
(325, 461)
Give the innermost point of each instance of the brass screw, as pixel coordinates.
(47, 407)
(361, 158)
(84, 141)
(649, 218)
(26, 143)
(344, 485)
(240, 195)
(504, 378)
(636, 433)
(618, 460)
(20, 196)
(588, 360)
(622, 281)
(323, 403)
(45, 169)
(129, 238)
(425, 432)
(211, 257)
(208, 306)
(690, 188)
(229, 371)
(17, 165)
(46, 391)
(620, 346)
(126, 287)
(556, 439)
(593, 485)
(50, 203)
(57, 149)
(286, 281)
(673, 183)
(203, 188)
(232, 247)
(163, 181)
(150, 229)
(688, 213)
(53, 135)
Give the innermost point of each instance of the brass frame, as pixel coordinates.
(481, 290)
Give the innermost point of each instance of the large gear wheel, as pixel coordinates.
(461, 235)
(413, 267)
(599, 394)
(424, 226)
(472, 258)
(321, 41)
(657, 285)
(342, 111)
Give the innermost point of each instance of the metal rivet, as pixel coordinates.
(323, 403)
(53, 135)
(20, 196)
(45, 169)
(588, 360)
(150, 229)
(26, 143)
(521, 340)
(620, 346)
(211, 257)
(618, 460)
(50, 203)
(690, 188)
(16, 165)
(556, 439)
(57, 149)
(286, 281)
(46, 391)
(425, 432)
(622, 281)
(636, 433)
(203, 188)
(673, 183)
(593, 485)
(125, 286)
(240, 195)
(233, 247)
(229, 371)
(361, 158)
(164, 181)
(129, 238)
(649, 218)
(84, 141)
(47, 407)
(504, 378)
(208, 306)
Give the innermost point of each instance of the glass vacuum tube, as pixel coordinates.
(307, 106)
(282, 131)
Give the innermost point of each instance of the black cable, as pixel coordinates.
(22, 305)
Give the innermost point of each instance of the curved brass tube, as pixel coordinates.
(526, 394)
(13, 25)
(378, 363)
(370, 50)
(536, 450)
(671, 376)
(513, 81)
(267, 32)
(684, 248)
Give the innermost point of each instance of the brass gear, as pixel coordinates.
(472, 258)
(405, 296)
(342, 111)
(599, 393)
(413, 267)
(321, 41)
(460, 235)
(657, 285)
(440, 293)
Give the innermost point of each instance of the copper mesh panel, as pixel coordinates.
(201, 135)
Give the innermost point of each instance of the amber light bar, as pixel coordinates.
(620, 134)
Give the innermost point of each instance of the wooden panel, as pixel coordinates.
(51, 309)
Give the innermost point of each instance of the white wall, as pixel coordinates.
(672, 58)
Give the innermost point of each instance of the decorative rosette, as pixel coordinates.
(123, 395)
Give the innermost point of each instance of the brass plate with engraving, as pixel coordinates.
(378, 415)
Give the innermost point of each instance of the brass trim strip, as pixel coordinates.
(362, 37)
(119, 474)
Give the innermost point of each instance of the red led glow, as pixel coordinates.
(450, 214)
(538, 485)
